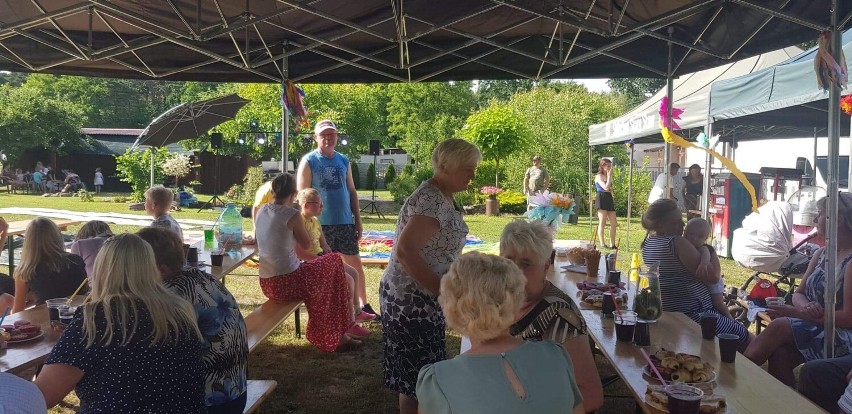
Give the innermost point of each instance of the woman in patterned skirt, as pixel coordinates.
(430, 234)
(549, 314)
(321, 282)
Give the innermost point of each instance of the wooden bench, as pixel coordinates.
(257, 391)
(263, 320)
(762, 320)
(374, 261)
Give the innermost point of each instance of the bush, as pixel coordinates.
(371, 176)
(465, 198)
(405, 184)
(134, 167)
(251, 182)
(85, 196)
(390, 175)
(356, 175)
(408, 169)
(641, 188)
(513, 202)
(485, 175)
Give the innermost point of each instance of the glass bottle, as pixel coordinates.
(648, 303)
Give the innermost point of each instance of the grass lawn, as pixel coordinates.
(311, 381)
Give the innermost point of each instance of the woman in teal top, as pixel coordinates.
(480, 296)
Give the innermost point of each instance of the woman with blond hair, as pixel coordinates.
(548, 313)
(481, 296)
(430, 234)
(134, 347)
(46, 271)
(88, 242)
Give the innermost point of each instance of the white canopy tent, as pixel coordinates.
(691, 93)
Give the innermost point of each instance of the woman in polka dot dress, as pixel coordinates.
(321, 282)
(134, 348)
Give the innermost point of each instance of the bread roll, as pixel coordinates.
(670, 363)
(702, 375)
(682, 375)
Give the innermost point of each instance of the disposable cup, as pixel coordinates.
(216, 259)
(625, 324)
(728, 347)
(53, 307)
(683, 399)
(708, 325)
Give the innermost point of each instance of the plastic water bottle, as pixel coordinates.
(230, 228)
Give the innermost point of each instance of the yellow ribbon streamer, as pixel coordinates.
(675, 139)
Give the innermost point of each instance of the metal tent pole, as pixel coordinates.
(708, 163)
(629, 196)
(667, 156)
(833, 195)
(285, 124)
(589, 187)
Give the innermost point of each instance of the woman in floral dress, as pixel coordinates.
(430, 234)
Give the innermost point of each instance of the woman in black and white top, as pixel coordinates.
(682, 288)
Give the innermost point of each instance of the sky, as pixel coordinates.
(594, 85)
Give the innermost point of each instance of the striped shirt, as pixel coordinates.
(680, 290)
(556, 318)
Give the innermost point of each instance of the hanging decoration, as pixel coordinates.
(703, 139)
(549, 207)
(292, 98)
(675, 139)
(676, 113)
(829, 71)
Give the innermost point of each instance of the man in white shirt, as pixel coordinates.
(20, 396)
(659, 189)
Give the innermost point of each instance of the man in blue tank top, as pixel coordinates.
(329, 172)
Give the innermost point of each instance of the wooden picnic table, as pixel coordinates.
(747, 387)
(25, 355)
(230, 262)
(17, 228)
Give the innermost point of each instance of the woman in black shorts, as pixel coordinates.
(604, 202)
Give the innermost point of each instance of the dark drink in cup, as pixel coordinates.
(53, 308)
(66, 314)
(728, 347)
(683, 399)
(608, 305)
(708, 325)
(625, 324)
(642, 334)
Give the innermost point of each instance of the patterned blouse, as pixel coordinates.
(556, 318)
(223, 330)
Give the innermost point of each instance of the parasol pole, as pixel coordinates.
(833, 194)
(591, 206)
(285, 124)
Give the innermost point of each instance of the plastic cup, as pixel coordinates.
(592, 268)
(625, 324)
(728, 347)
(192, 256)
(642, 333)
(53, 307)
(216, 259)
(775, 301)
(683, 399)
(708, 325)
(208, 235)
(614, 277)
(66, 314)
(608, 306)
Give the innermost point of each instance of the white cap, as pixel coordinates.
(323, 125)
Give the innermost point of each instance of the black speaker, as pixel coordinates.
(375, 147)
(216, 140)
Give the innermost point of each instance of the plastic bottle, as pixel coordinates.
(230, 228)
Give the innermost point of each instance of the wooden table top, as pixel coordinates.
(16, 228)
(747, 387)
(230, 262)
(24, 355)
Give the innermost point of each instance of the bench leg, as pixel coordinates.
(298, 321)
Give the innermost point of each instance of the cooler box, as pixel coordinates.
(730, 203)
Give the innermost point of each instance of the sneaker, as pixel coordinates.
(357, 331)
(364, 317)
(369, 309)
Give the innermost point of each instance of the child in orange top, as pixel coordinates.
(310, 204)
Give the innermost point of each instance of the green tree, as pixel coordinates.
(371, 176)
(498, 132)
(636, 90)
(422, 114)
(501, 90)
(558, 121)
(134, 167)
(29, 119)
(390, 175)
(356, 175)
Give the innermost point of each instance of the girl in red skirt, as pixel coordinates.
(320, 283)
